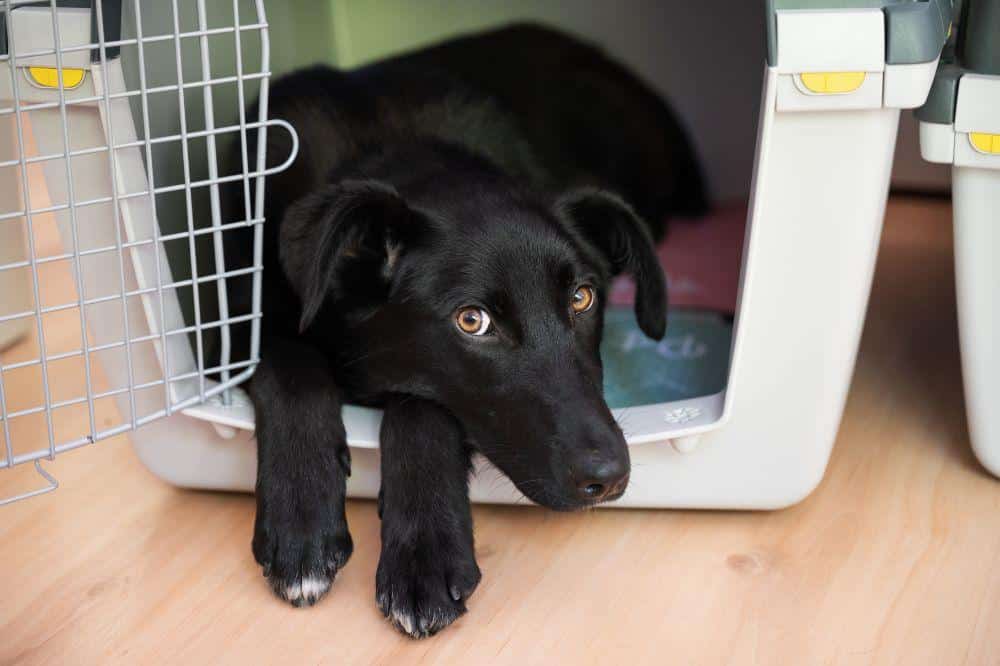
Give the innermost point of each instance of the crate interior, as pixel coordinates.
(702, 257)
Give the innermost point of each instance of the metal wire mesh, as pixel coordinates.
(115, 123)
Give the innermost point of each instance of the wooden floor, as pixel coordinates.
(895, 559)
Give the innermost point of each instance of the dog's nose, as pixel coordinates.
(602, 479)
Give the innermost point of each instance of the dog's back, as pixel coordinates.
(544, 106)
(345, 116)
(589, 120)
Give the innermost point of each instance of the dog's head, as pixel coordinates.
(487, 301)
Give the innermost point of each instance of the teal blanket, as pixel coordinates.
(691, 361)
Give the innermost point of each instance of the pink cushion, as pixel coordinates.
(702, 258)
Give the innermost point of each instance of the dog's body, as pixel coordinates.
(441, 248)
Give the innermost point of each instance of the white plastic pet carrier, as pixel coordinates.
(960, 125)
(836, 78)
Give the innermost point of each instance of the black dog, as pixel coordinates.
(441, 248)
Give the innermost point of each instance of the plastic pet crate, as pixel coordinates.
(960, 125)
(836, 76)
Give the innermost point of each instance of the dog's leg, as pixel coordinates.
(300, 534)
(428, 567)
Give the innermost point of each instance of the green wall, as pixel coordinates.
(365, 30)
(352, 32)
(301, 33)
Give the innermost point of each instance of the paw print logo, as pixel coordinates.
(682, 415)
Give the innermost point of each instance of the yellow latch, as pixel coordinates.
(832, 83)
(985, 143)
(48, 77)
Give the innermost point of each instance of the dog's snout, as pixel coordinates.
(602, 479)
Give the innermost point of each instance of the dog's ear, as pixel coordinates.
(612, 227)
(343, 242)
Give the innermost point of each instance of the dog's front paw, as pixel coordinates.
(301, 557)
(421, 587)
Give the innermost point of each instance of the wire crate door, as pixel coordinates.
(78, 106)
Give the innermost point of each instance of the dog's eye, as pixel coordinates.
(583, 299)
(474, 321)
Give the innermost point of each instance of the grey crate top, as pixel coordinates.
(915, 29)
(977, 51)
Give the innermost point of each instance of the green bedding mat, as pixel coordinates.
(692, 360)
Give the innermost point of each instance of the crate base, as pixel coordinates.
(764, 442)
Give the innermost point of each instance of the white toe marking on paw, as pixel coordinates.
(293, 591)
(403, 620)
(314, 587)
(308, 588)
